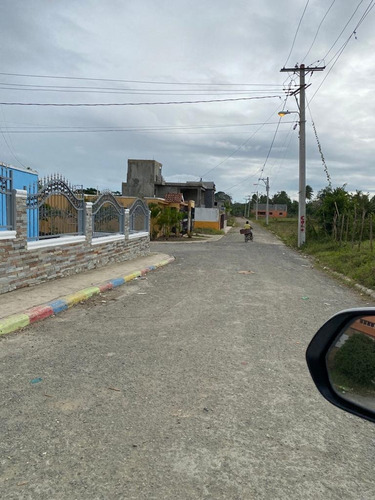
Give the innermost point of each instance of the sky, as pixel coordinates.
(142, 65)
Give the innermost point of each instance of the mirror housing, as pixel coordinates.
(317, 354)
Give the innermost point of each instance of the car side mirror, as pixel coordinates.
(341, 360)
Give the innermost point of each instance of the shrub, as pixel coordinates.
(356, 359)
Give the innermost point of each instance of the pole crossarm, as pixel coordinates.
(297, 69)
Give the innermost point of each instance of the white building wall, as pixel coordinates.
(207, 214)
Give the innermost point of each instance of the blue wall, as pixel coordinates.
(23, 179)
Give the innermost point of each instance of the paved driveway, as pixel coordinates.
(190, 383)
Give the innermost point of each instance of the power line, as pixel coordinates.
(45, 129)
(194, 92)
(153, 82)
(9, 144)
(239, 147)
(344, 45)
(317, 31)
(136, 103)
(80, 88)
(295, 36)
(285, 146)
(344, 28)
(261, 170)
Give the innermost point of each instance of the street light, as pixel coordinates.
(283, 113)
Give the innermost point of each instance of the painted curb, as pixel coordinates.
(17, 321)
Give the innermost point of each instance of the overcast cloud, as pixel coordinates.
(208, 43)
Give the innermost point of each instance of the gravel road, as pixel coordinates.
(188, 384)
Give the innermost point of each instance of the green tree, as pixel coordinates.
(309, 192)
(169, 218)
(221, 196)
(238, 209)
(332, 201)
(91, 190)
(281, 198)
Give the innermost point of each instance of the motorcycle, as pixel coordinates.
(248, 234)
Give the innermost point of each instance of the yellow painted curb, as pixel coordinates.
(13, 323)
(132, 276)
(74, 298)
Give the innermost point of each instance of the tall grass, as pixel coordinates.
(357, 263)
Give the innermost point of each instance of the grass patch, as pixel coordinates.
(357, 264)
(207, 230)
(286, 229)
(231, 221)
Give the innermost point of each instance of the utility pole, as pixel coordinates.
(267, 183)
(302, 146)
(257, 202)
(248, 206)
(245, 208)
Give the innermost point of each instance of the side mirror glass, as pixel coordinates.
(341, 360)
(351, 363)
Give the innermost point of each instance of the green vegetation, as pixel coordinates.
(353, 364)
(339, 233)
(207, 230)
(286, 229)
(354, 262)
(166, 220)
(231, 221)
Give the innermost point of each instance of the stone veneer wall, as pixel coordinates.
(24, 263)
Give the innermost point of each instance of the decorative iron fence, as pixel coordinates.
(139, 217)
(54, 209)
(108, 216)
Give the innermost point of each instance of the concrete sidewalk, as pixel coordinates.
(21, 307)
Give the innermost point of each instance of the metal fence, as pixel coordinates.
(54, 209)
(107, 216)
(139, 217)
(6, 205)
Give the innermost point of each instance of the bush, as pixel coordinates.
(356, 359)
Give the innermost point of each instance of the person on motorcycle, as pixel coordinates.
(248, 231)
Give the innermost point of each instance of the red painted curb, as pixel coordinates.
(105, 287)
(39, 312)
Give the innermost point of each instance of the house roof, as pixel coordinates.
(174, 197)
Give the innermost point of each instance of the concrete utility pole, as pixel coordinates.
(267, 183)
(302, 147)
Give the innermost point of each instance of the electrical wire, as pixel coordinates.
(344, 28)
(273, 140)
(338, 54)
(239, 147)
(143, 92)
(317, 31)
(45, 129)
(295, 36)
(55, 104)
(9, 143)
(285, 147)
(153, 82)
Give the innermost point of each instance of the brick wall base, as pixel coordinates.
(23, 264)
